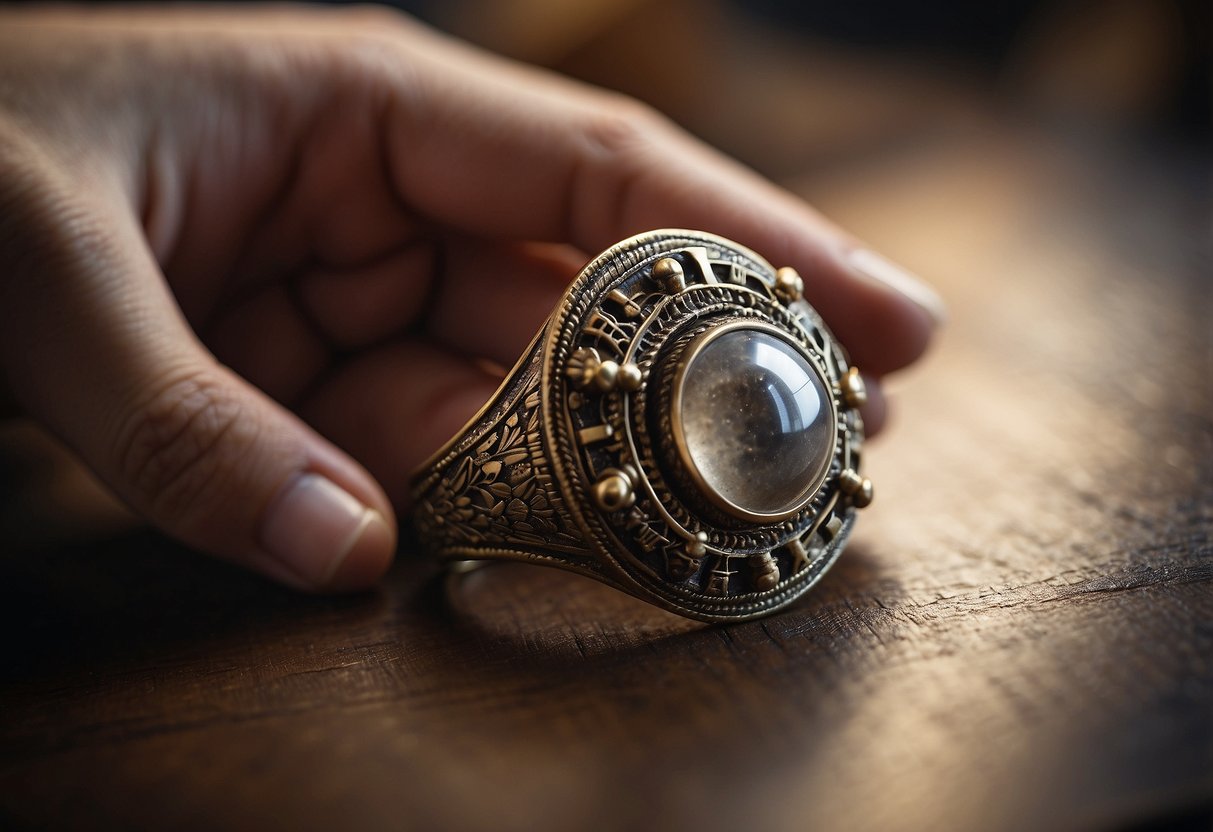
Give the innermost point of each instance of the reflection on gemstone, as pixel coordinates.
(756, 421)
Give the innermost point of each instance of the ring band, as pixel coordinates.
(683, 427)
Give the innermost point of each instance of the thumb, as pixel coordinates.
(95, 346)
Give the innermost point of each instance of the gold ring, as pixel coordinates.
(684, 427)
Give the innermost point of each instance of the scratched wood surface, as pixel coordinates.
(1020, 635)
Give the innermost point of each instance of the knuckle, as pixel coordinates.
(375, 18)
(44, 226)
(623, 146)
(370, 35)
(369, 54)
(22, 188)
(182, 444)
(620, 125)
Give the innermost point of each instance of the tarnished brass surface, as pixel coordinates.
(580, 460)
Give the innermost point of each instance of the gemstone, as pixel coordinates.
(756, 422)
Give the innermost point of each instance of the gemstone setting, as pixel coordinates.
(754, 421)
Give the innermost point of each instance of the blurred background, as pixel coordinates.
(796, 86)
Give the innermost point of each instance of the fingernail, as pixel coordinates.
(872, 266)
(314, 525)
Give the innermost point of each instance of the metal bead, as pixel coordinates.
(767, 569)
(630, 377)
(697, 548)
(858, 488)
(863, 497)
(613, 491)
(606, 375)
(854, 391)
(850, 481)
(789, 287)
(669, 275)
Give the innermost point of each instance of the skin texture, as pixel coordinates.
(243, 246)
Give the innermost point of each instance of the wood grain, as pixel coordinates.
(1020, 636)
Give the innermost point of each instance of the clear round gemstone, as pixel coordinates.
(756, 422)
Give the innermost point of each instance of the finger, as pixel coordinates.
(395, 405)
(361, 305)
(488, 300)
(95, 347)
(875, 411)
(493, 297)
(269, 343)
(589, 169)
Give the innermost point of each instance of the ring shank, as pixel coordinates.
(489, 494)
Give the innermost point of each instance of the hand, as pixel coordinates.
(244, 249)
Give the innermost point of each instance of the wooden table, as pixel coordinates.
(1019, 637)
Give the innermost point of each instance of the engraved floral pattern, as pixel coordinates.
(496, 492)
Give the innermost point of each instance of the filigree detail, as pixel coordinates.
(500, 492)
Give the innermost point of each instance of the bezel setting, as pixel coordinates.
(706, 489)
(678, 538)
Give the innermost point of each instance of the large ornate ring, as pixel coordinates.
(684, 427)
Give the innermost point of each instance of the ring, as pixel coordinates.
(683, 427)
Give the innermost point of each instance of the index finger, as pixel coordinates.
(497, 149)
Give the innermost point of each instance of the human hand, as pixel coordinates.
(243, 249)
